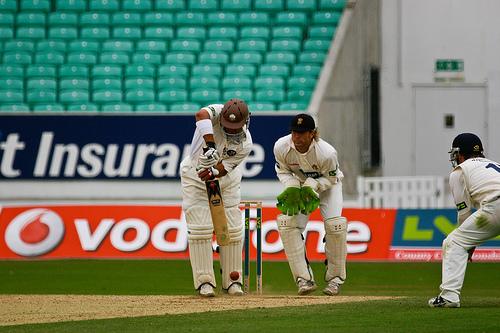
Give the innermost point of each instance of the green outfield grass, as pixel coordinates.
(415, 281)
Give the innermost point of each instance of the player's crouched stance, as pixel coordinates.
(309, 169)
(474, 183)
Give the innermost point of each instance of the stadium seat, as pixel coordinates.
(207, 70)
(151, 46)
(291, 18)
(174, 83)
(107, 96)
(301, 82)
(306, 70)
(84, 46)
(62, 19)
(258, 106)
(285, 45)
(126, 19)
(11, 96)
(273, 96)
(337, 5)
(140, 70)
(269, 82)
(204, 82)
(19, 45)
(185, 45)
(253, 58)
(158, 19)
(241, 69)
(139, 83)
(230, 33)
(83, 107)
(151, 107)
(140, 96)
(106, 71)
(104, 5)
(41, 96)
(173, 70)
(189, 19)
(317, 45)
(160, 33)
(30, 19)
(126, 46)
(255, 32)
(40, 71)
(287, 58)
(9, 5)
(326, 18)
(287, 32)
(301, 95)
(95, 19)
(203, 5)
(301, 5)
(73, 96)
(114, 58)
(51, 45)
(170, 5)
(254, 19)
(17, 58)
(184, 107)
(106, 84)
(6, 19)
(214, 57)
(95, 33)
(172, 96)
(236, 5)
(206, 96)
(35, 32)
(236, 82)
(6, 33)
(87, 58)
(292, 106)
(219, 45)
(321, 32)
(11, 71)
(66, 33)
(258, 45)
(73, 71)
(49, 57)
(127, 33)
(274, 70)
(221, 19)
(48, 107)
(19, 107)
(71, 5)
(120, 107)
(269, 5)
(42, 84)
(35, 5)
(74, 84)
(312, 57)
(9, 83)
(191, 33)
(180, 58)
(137, 5)
(244, 94)
(147, 58)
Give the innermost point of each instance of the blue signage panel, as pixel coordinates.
(48, 147)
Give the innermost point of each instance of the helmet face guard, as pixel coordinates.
(454, 156)
(467, 145)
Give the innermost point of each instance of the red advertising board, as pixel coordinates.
(145, 231)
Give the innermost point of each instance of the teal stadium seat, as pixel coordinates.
(306, 70)
(230, 33)
(312, 57)
(137, 5)
(74, 84)
(73, 96)
(326, 18)
(189, 19)
(66, 33)
(139, 83)
(71, 5)
(254, 58)
(11, 96)
(104, 5)
(95, 19)
(337, 5)
(158, 19)
(6, 33)
(180, 58)
(147, 58)
(170, 5)
(17, 58)
(291, 19)
(206, 96)
(292, 106)
(185, 45)
(51, 45)
(269, 5)
(301, 5)
(95, 33)
(301, 95)
(82, 107)
(174, 83)
(9, 83)
(35, 5)
(81, 58)
(126, 19)
(151, 107)
(241, 69)
(236, 5)
(285, 45)
(191, 33)
(41, 71)
(255, 32)
(30, 32)
(107, 84)
(258, 45)
(114, 58)
(287, 32)
(42, 84)
(63, 19)
(269, 82)
(254, 19)
(125, 46)
(301, 82)
(48, 107)
(84, 45)
(73, 71)
(107, 96)
(317, 45)
(203, 5)
(41, 96)
(151, 46)
(140, 96)
(219, 45)
(106, 71)
(30, 19)
(220, 58)
(222, 19)
(244, 94)
(49, 57)
(127, 33)
(19, 45)
(119, 107)
(160, 33)
(287, 58)
(321, 32)
(172, 96)
(140, 70)
(207, 70)
(274, 70)
(203, 82)
(9, 5)
(185, 107)
(14, 107)
(236, 82)
(259, 106)
(273, 96)
(173, 70)
(6, 19)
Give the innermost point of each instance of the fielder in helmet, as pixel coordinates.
(220, 143)
(475, 184)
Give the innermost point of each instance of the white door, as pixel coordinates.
(442, 112)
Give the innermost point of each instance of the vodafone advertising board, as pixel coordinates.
(140, 231)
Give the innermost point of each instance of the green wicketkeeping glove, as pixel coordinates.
(309, 198)
(290, 202)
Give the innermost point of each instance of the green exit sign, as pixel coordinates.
(449, 65)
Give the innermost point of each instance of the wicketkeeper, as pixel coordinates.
(220, 143)
(309, 169)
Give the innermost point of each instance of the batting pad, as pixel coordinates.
(200, 254)
(294, 246)
(336, 248)
(230, 261)
(199, 223)
(235, 223)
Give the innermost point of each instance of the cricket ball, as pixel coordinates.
(234, 275)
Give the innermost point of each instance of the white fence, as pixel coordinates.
(401, 192)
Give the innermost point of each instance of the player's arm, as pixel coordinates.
(329, 168)
(461, 195)
(209, 165)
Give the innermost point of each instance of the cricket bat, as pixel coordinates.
(217, 211)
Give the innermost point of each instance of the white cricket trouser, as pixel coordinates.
(481, 226)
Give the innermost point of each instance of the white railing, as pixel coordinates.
(401, 192)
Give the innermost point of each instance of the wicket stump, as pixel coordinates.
(249, 205)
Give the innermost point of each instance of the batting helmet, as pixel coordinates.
(466, 144)
(234, 114)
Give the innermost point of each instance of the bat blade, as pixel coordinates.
(217, 211)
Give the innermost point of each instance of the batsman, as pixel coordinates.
(221, 141)
(309, 169)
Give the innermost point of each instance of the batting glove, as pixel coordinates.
(209, 158)
(208, 173)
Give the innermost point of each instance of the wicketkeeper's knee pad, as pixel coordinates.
(293, 244)
(336, 248)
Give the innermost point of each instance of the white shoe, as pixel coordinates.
(235, 290)
(305, 286)
(332, 288)
(439, 302)
(206, 290)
